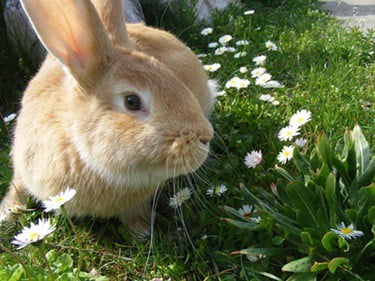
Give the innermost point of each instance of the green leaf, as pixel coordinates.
(371, 215)
(368, 175)
(63, 262)
(300, 265)
(337, 262)
(306, 238)
(324, 150)
(240, 224)
(284, 173)
(319, 266)
(362, 150)
(331, 190)
(322, 175)
(306, 276)
(264, 251)
(278, 240)
(17, 273)
(301, 162)
(343, 244)
(352, 214)
(329, 241)
(271, 276)
(52, 255)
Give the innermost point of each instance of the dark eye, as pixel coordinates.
(133, 102)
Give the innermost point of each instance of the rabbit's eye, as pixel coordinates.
(133, 102)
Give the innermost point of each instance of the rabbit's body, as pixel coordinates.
(78, 127)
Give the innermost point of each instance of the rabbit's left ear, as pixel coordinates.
(112, 14)
(72, 31)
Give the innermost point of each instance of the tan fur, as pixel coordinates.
(69, 133)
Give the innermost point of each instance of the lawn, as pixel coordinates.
(308, 216)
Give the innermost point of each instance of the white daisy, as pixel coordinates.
(212, 67)
(347, 232)
(260, 60)
(300, 142)
(255, 258)
(256, 219)
(300, 118)
(220, 51)
(253, 158)
(275, 102)
(223, 40)
(267, 98)
(271, 46)
(285, 154)
(206, 31)
(246, 211)
(201, 55)
(243, 69)
(237, 83)
(242, 43)
(55, 202)
(249, 12)
(180, 197)
(216, 190)
(263, 79)
(231, 49)
(34, 233)
(287, 133)
(9, 118)
(273, 84)
(213, 45)
(240, 55)
(256, 72)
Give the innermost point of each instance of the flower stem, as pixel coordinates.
(18, 260)
(41, 250)
(77, 238)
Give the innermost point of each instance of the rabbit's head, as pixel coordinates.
(129, 118)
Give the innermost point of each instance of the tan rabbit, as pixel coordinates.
(112, 118)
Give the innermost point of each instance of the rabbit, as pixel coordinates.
(114, 112)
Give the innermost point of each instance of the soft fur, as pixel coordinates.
(72, 129)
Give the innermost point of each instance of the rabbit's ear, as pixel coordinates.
(72, 31)
(112, 14)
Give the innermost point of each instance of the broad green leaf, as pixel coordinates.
(264, 251)
(349, 144)
(284, 173)
(322, 175)
(306, 276)
(337, 262)
(233, 212)
(342, 171)
(319, 266)
(278, 240)
(329, 241)
(52, 255)
(371, 215)
(301, 162)
(352, 214)
(306, 238)
(331, 190)
(17, 273)
(271, 276)
(366, 199)
(368, 175)
(240, 224)
(300, 265)
(362, 150)
(63, 262)
(323, 148)
(343, 244)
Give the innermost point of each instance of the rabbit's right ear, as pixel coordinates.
(72, 31)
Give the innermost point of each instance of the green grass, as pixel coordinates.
(324, 68)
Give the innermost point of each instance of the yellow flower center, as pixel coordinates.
(217, 190)
(346, 230)
(34, 236)
(286, 153)
(181, 197)
(288, 133)
(59, 199)
(300, 120)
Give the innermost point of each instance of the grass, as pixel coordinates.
(324, 69)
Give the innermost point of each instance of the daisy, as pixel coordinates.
(287, 133)
(9, 118)
(273, 84)
(231, 49)
(216, 190)
(300, 142)
(206, 31)
(242, 43)
(249, 12)
(275, 102)
(55, 202)
(267, 97)
(243, 69)
(220, 51)
(300, 118)
(213, 45)
(34, 233)
(260, 60)
(240, 55)
(347, 232)
(237, 83)
(246, 211)
(180, 197)
(256, 72)
(212, 67)
(201, 55)
(271, 46)
(223, 40)
(285, 154)
(253, 158)
(263, 79)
